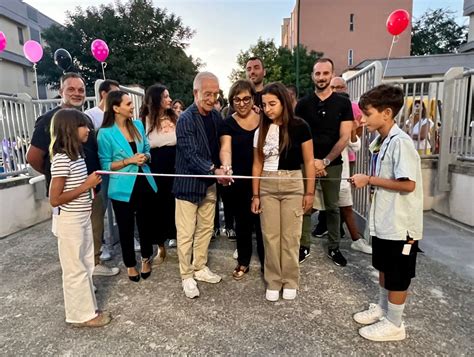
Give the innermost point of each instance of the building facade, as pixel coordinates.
(347, 31)
(468, 10)
(20, 22)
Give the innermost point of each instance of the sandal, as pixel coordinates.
(240, 271)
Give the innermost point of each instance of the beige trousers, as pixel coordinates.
(76, 254)
(194, 225)
(282, 219)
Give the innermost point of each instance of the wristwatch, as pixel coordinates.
(212, 170)
(326, 162)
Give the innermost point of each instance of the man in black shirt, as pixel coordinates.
(256, 74)
(73, 93)
(330, 117)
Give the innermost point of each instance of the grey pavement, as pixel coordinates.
(154, 317)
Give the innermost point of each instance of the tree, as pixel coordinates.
(435, 32)
(280, 64)
(144, 51)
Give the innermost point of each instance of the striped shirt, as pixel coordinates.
(75, 173)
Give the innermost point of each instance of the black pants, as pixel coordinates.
(163, 162)
(229, 208)
(140, 207)
(245, 223)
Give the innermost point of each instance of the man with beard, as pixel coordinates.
(330, 117)
(256, 73)
(72, 90)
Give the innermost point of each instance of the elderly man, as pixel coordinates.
(197, 153)
(73, 93)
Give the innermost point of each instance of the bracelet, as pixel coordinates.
(123, 163)
(368, 181)
(255, 197)
(309, 194)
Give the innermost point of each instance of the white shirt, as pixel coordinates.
(393, 214)
(271, 147)
(354, 147)
(97, 116)
(165, 137)
(425, 143)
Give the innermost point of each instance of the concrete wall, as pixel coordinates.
(457, 204)
(13, 79)
(19, 208)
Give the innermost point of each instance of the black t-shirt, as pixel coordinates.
(242, 146)
(324, 119)
(292, 157)
(258, 99)
(211, 133)
(42, 138)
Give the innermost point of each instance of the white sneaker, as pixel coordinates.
(190, 288)
(383, 330)
(362, 246)
(102, 270)
(272, 295)
(369, 316)
(236, 254)
(106, 253)
(289, 294)
(206, 275)
(172, 243)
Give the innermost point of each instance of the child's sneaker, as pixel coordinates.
(369, 316)
(383, 330)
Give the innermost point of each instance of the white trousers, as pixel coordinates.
(76, 254)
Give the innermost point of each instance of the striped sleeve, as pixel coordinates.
(61, 165)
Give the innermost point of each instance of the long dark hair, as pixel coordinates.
(151, 107)
(64, 136)
(114, 98)
(287, 117)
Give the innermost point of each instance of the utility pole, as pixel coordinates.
(298, 47)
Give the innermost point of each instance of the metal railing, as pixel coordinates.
(17, 121)
(462, 130)
(358, 84)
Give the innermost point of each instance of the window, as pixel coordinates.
(25, 77)
(21, 39)
(32, 13)
(350, 57)
(351, 22)
(35, 35)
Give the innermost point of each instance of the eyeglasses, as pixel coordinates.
(210, 95)
(244, 100)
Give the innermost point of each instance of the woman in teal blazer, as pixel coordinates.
(123, 147)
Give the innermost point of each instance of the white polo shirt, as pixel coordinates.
(393, 214)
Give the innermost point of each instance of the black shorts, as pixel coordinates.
(398, 268)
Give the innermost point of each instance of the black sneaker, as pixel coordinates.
(319, 232)
(230, 233)
(304, 253)
(337, 257)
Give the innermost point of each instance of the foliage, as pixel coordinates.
(146, 46)
(280, 64)
(435, 32)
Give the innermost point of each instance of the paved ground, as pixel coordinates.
(233, 318)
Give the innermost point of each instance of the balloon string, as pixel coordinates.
(103, 64)
(394, 40)
(36, 80)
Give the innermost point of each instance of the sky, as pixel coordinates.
(225, 27)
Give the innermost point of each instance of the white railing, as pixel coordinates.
(17, 120)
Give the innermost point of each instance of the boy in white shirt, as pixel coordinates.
(396, 212)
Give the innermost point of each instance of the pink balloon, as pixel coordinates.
(100, 50)
(33, 51)
(3, 41)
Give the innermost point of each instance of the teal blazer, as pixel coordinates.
(114, 147)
